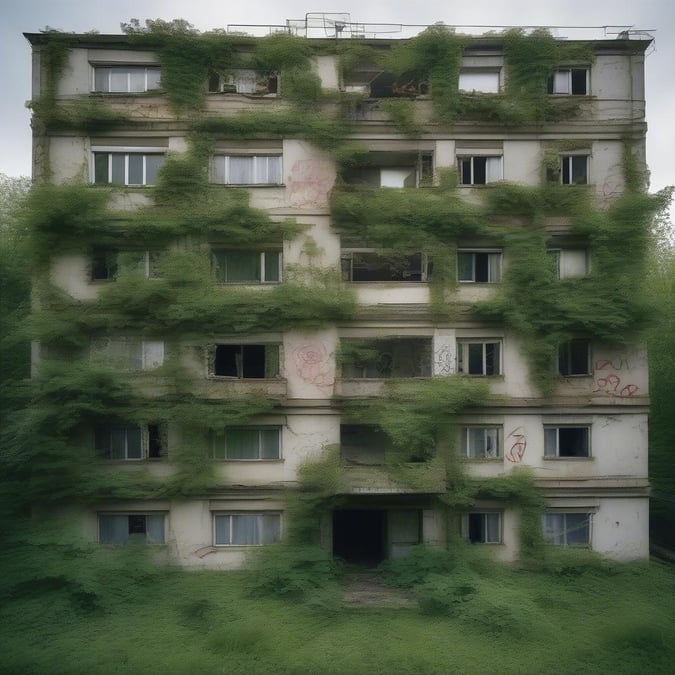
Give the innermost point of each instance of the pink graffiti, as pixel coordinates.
(313, 365)
(612, 364)
(517, 450)
(309, 182)
(611, 385)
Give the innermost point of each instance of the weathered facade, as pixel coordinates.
(405, 300)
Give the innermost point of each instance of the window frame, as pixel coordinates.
(484, 514)
(478, 251)
(126, 152)
(554, 80)
(559, 254)
(550, 533)
(260, 429)
(378, 345)
(260, 515)
(463, 345)
(262, 266)
(232, 81)
(468, 71)
(466, 441)
(147, 266)
(471, 158)
(128, 515)
(147, 432)
(565, 354)
(569, 159)
(129, 67)
(212, 355)
(227, 171)
(553, 453)
(347, 266)
(98, 347)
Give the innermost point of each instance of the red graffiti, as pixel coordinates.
(610, 385)
(612, 364)
(515, 454)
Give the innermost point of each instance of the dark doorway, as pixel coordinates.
(359, 536)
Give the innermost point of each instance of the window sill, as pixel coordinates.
(566, 459)
(250, 185)
(483, 460)
(251, 461)
(494, 378)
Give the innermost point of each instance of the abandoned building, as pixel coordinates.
(288, 246)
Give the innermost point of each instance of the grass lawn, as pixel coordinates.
(621, 621)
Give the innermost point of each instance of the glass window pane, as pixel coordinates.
(135, 169)
(479, 170)
(274, 170)
(154, 75)
(136, 80)
(223, 535)
(476, 443)
(245, 530)
(493, 169)
(118, 176)
(554, 528)
(492, 527)
(241, 171)
(482, 269)
(152, 165)
(561, 82)
(113, 529)
(118, 442)
(272, 265)
(495, 267)
(579, 165)
(242, 443)
(492, 443)
(101, 79)
(134, 450)
(153, 354)
(239, 266)
(465, 266)
(476, 359)
(155, 529)
(492, 366)
(550, 442)
(101, 167)
(218, 168)
(271, 526)
(270, 443)
(119, 79)
(577, 529)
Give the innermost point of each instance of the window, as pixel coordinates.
(479, 357)
(257, 443)
(568, 81)
(126, 79)
(105, 264)
(243, 81)
(476, 80)
(119, 167)
(480, 442)
(372, 266)
(567, 529)
(132, 527)
(574, 357)
(566, 441)
(246, 361)
(574, 170)
(251, 267)
(128, 354)
(130, 442)
(247, 169)
(479, 266)
(246, 529)
(483, 528)
(392, 169)
(569, 263)
(479, 170)
(386, 357)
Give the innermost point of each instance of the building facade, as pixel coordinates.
(399, 263)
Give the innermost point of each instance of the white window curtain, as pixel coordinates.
(492, 528)
(154, 525)
(113, 529)
(493, 169)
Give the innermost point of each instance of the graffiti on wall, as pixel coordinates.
(313, 364)
(443, 359)
(613, 378)
(309, 182)
(518, 445)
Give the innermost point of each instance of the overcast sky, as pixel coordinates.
(19, 16)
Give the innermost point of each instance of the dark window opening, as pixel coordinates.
(566, 442)
(484, 528)
(370, 266)
(578, 77)
(384, 358)
(246, 361)
(103, 265)
(574, 358)
(359, 536)
(155, 442)
(136, 524)
(574, 170)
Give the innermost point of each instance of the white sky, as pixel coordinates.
(19, 16)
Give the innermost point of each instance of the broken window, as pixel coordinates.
(479, 266)
(246, 529)
(481, 442)
(479, 80)
(567, 441)
(574, 357)
(372, 266)
(482, 528)
(363, 443)
(253, 443)
(126, 79)
(479, 169)
(479, 357)
(386, 357)
(252, 267)
(567, 529)
(107, 263)
(131, 167)
(243, 81)
(247, 169)
(128, 353)
(569, 81)
(120, 528)
(245, 361)
(392, 169)
(130, 441)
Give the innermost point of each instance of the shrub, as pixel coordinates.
(446, 595)
(415, 568)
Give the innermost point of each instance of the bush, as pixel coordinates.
(300, 572)
(445, 595)
(573, 563)
(414, 569)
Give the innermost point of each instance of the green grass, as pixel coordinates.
(620, 620)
